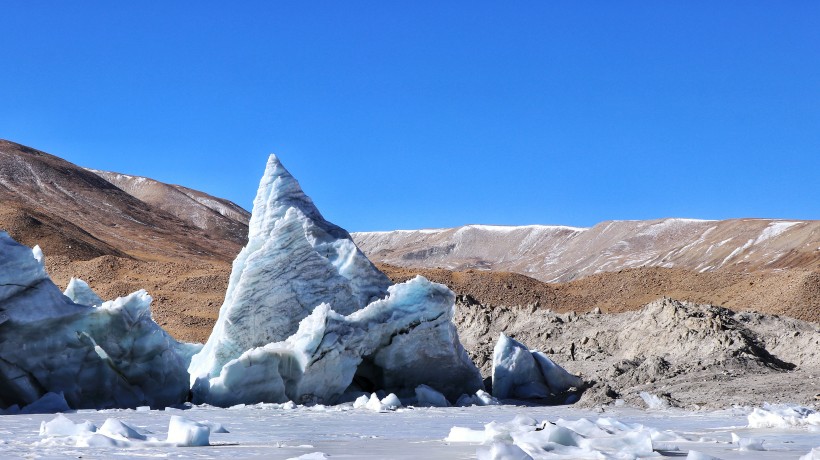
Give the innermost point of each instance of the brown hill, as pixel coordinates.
(219, 218)
(52, 191)
(794, 293)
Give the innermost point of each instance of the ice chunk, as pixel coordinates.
(426, 396)
(114, 355)
(601, 438)
(501, 451)
(184, 432)
(391, 402)
(523, 374)
(395, 344)
(652, 401)
(515, 373)
(695, 455)
(480, 398)
(294, 261)
(50, 403)
(37, 252)
(80, 293)
(783, 416)
(361, 401)
(311, 456)
(63, 426)
(374, 403)
(114, 428)
(461, 434)
(750, 444)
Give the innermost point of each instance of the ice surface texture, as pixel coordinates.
(784, 416)
(112, 355)
(394, 344)
(294, 261)
(523, 374)
(525, 438)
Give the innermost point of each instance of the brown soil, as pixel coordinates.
(793, 293)
(187, 295)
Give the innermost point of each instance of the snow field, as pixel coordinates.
(282, 431)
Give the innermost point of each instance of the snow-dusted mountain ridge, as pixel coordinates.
(560, 253)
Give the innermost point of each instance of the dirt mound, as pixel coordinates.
(697, 354)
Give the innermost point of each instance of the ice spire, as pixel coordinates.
(294, 261)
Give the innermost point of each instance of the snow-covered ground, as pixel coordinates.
(281, 431)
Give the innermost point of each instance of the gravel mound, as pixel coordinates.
(693, 356)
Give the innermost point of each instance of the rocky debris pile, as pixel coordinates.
(669, 348)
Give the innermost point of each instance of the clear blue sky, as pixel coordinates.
(434, 114)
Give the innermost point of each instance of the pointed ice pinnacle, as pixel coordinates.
(294, 261)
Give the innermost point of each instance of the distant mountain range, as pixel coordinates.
(559, 254)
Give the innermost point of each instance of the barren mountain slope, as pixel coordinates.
(217, 217)
(34, 183)
(551, 253)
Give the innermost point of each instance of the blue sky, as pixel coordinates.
(434, 114)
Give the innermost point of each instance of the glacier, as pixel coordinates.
(104, 356)
(308, 318)
(521, 373)
(294, 261)
(394, 344)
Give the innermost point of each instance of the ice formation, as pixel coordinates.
(294, 261)
(185, 432)
(480, 398)
(80, 293)
(524, 374)
(307, 317)
(61, 431)
(112, 355)
(784, 416)
(394, 344)
(525, 438)
(388, 403)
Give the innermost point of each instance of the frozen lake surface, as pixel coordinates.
(268, 431)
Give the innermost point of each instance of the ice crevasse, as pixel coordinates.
(307, 317)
